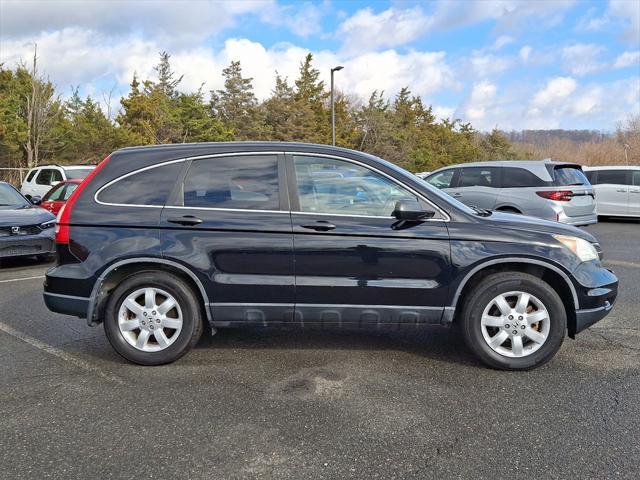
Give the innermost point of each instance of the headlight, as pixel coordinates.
(49, 224)
(584, 250)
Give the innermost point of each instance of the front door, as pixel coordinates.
(230, 221)
(355, 263)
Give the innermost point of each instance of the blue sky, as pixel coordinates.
(505, 63)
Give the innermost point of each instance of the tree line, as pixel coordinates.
(37, 126)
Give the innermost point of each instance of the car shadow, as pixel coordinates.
(435, 343)
(21, 262)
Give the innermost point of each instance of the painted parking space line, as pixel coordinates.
(56, 352)
(619, 263)
(21, 278)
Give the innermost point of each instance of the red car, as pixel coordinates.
(55, 198)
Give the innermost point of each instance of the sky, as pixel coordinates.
(509, 64)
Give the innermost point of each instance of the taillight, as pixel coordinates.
(64, 216)
(557, 196)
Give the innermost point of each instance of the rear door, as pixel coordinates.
(478, 186)
(571, 177)
(355, 263)
(229, 220)
(612, 191)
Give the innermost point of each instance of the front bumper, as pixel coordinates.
(597, 295)
(26, 245)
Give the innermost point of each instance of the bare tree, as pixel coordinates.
(41, 107)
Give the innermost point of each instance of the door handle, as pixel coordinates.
(621, 190)
(320, 226)
(185, 220)
(456, 194)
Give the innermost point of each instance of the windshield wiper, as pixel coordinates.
(481, 211)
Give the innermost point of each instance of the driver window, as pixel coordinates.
(332, 186)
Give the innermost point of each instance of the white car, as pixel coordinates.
(39, 180)
(617, 190)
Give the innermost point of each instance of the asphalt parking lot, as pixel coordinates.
(319, 404)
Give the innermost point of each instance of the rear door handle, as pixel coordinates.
(185, 220)
(621, 190)
(320, 226)
(456, 194)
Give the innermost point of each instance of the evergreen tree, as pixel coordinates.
(278, 110)
(310, 117)
(237, 106)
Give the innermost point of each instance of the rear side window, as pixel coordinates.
(239, 182)
(477, 177)
(636, 177)
(150, 187)
(567, 176)
(515, 177)
(30, 176)
(615, 177)
(442, 179)
(45, 177)
(591, 176)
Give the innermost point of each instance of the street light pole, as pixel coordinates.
(333, 107)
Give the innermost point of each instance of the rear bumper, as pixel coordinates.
(589, 219)
(66, 304)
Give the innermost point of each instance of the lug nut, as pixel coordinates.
(519, 318)
(522, 327)
(510, 317)
(153, 313)
(144, 313)
(143, 322)
(514, 332)
(506, 326)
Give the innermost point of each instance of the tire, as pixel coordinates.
(169, 335)
(481, 311)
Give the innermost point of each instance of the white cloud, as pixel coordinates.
(366, 30)
(582, 59)
(303, 19)
(555, 91)
(628, 12)
(481, 98)
(486, 65)
(628, 59)
(525, 52)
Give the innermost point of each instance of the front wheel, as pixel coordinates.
(153, 318)
(513, 321)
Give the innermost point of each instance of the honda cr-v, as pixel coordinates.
(159, 242)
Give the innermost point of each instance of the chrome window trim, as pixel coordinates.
(122, 177)
(380, 172)
(230, 154)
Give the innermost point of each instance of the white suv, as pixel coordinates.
(39, 180)
(617, 190)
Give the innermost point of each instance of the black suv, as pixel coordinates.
(159, 241)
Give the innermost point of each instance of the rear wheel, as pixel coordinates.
(153, 318)
(513, 321)
(510, 210)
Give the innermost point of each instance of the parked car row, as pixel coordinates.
(27, 217)
(545, 189)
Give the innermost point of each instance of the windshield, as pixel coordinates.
(567, 176)
(73, 173)
(9, 196)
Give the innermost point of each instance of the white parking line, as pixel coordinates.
(20, 279)
(618, 263)
(56, 352)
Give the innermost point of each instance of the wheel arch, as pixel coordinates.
(551, 274)
(508, 208)
(118, 271)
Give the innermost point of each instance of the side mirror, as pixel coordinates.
(411, 210)
(37, 200)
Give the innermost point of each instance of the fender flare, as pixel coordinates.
(96, 287)
(450, 310)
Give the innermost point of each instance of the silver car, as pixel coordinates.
(538, 188)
